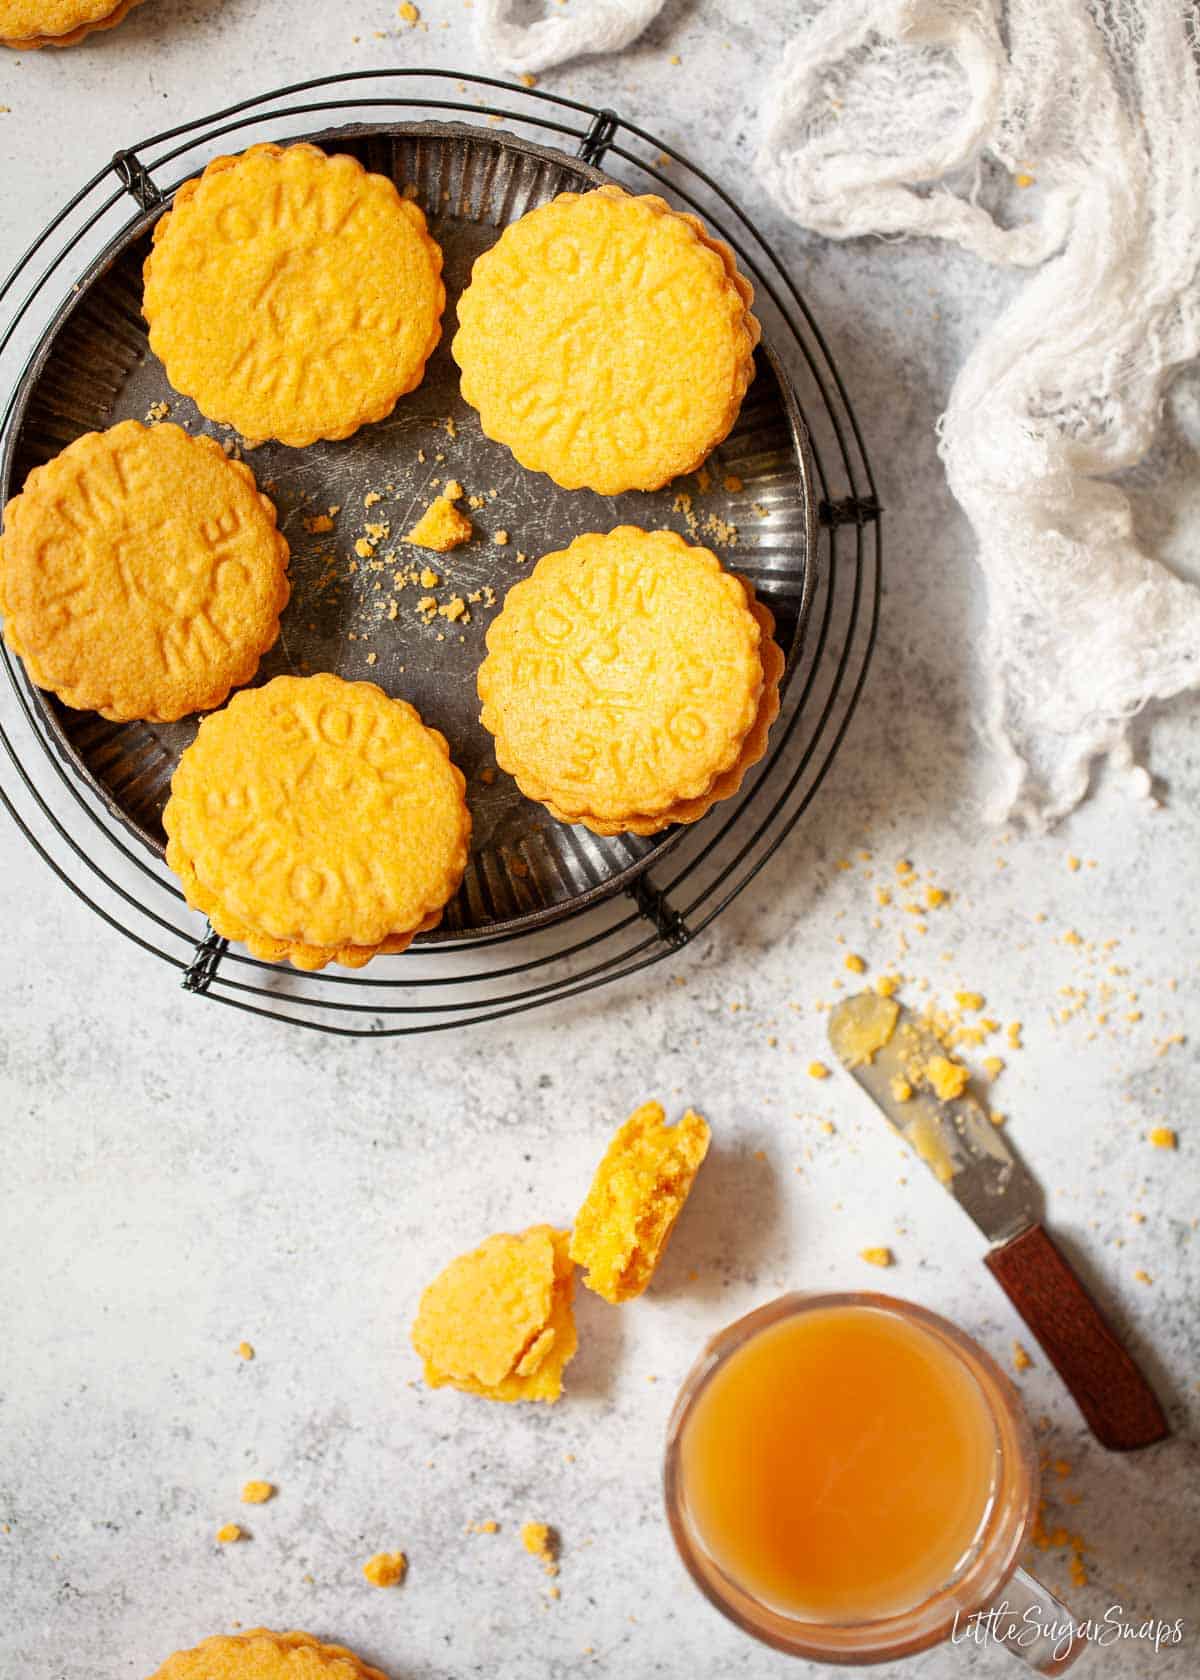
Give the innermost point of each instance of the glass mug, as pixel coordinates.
(720, 1480)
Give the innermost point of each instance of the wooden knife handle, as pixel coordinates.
(1113, 1395)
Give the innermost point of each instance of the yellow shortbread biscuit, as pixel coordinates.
(320, 811)
(308, 957)
(292, 294)
(27, 25)
(635, 1198)
(260, 1654)
(607, 340)
(141, 573)
(730, 781)
(622, 676)
(498, 1321)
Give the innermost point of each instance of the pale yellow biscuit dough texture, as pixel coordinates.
(622, 676)
(260, 1654)
(27, 25)
(320, 811)
(141, 573)
(635, 1199)
(730, 781)
(607, 340)
(293, 294)
(498, 1322)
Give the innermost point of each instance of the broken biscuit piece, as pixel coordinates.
(636, 1196)
(498, 1321)
(441, 527)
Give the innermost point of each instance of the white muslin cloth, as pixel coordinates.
(882, 119)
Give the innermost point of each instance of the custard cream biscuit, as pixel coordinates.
(607, 340)
(310, 958)
(753, 747)
(321, 812)
(142, 574)
(259, 1654)
(27, 25)
(293, 294)
(622, 676)
(498, 1321)
(635, 1198)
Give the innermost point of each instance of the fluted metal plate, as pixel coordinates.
(95, 368)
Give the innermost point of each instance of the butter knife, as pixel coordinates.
(889, 1051)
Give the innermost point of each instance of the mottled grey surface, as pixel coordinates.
(178, 1178)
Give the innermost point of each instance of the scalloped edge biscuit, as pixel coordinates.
(78, 32)
(155, 309)
(727, 785)
(247, 1656)
(187, 790)
(530, 779)
(81, 697)
(309, 958)
(686, 461)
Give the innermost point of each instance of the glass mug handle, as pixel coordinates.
(1033, 1625)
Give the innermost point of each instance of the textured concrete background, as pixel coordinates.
(177, 1178)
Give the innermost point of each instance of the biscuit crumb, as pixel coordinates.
(315, 523)
(949, 1079)
(245, 1351)
(855, 963)
(818, 1070)
(229, 1533)
(1020, 1357)
(540, 1540)
(441, 527)
(408, 13)
(733, 483)
(257, 1493)
(1162, 1137)
(156, 412)
(452, 490)
(386, 1569)
(528, 79)
(500, 538)
(877, 1256)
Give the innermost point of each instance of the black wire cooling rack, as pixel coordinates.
(460, 982)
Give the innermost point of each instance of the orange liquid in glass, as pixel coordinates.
(839, 1465)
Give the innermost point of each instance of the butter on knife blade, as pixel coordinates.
(890, 1052)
